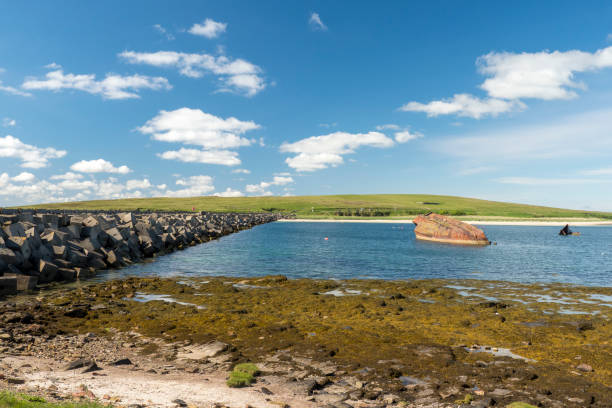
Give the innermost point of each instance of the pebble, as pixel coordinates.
(584, 368)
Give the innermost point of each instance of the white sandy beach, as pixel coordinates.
(555, 223)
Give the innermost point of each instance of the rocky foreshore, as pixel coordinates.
(152, 342)
(43, 246)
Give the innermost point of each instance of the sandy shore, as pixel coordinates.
(555, 223)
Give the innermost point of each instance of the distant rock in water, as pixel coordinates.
(440, 228)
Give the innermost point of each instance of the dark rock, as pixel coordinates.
(91, 367)
(122, 361)
(77, 312)
(81, 362)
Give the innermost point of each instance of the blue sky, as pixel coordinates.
(136, 99)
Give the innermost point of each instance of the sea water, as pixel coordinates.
(390, 251)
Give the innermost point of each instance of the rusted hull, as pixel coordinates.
(452, 241)
(447, 230)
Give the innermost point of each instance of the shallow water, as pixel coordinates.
(384, 251)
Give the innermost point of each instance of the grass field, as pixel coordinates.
(339, 206)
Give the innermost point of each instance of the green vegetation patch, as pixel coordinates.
(520, 405)
(337, 206)
(243, 375)
(18, 400)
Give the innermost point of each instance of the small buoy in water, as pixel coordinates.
(326, 238)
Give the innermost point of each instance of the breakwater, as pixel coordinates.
(38, 247)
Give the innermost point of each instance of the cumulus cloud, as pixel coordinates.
(222, 157)
(209, 28)
(113, 86)
(261, 188)
(24, 177)
(215, 135)
(511, 77)
(241, 171)
(8, 122)
(98, 166)
(13, 91)
(315, 22)
(67, 176)
(235, 75)
(402, 135)
(53, 65)
(138, 184)
(31, 156)
(541, 75)
(464, 105)
(229, 193)
(406, 136)
(26, 188)
(320, 152)
(192, 186)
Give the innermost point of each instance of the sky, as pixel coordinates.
(481, 99)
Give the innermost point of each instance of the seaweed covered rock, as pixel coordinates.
(440, 228)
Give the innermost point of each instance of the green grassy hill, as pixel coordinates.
(332, 206)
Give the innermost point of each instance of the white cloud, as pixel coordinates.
(511, 77)
(241, 171)
(262, 187)
(24, 177)
(194, 127)
(406, 136)
(221, 157)
(535, 181)
(320, 152)
(193, 186)
(215, 135)
(580, 135)
(31, 156)
(83, 186)
(236, 75)
(328, 125)
(209, 28)
(113, 86)
(53, 65)
(542, 75)
(24, 188)
(13, 91)
(8, 122)
(67, 176)
(138, 184)
(464, 105)
(229, 193)
(159, 28)
(98, 166)
(315, 22)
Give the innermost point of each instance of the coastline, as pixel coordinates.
(533, 223)
(156, 341)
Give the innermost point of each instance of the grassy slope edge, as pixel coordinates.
(374, 205)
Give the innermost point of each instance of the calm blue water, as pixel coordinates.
(390, 251)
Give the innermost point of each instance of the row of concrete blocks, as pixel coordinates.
(41, 247)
